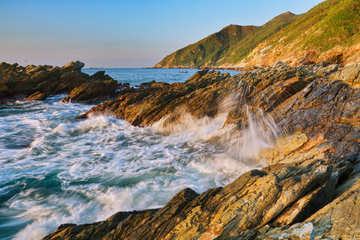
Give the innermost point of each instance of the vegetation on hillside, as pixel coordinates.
(244, 47)
(331, 23)
(209, 49)
(229, 45)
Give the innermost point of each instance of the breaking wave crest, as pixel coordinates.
(60, 170)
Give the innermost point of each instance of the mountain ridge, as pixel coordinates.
(328, 32)
(217, 47)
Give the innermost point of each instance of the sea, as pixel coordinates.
(55, 170)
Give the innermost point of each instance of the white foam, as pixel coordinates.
(81, 171)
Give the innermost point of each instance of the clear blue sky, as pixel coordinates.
(130, 33)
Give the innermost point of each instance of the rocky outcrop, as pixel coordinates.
(37, 96)
(311, 188)
(38, 82)
(99, 88)
(202, 94)
(252, 206)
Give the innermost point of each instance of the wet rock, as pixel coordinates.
(147, 105)
(202, 95)
(37, 96)
(146, 84)
(149, 224)
(238, 210)
(101, 230)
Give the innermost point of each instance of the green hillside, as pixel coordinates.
(331, 23)
(209, 49)
(229, 45)
(244, 47)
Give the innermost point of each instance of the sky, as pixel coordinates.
(121, 34)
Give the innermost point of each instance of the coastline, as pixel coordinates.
(302, 121)
(313, 171)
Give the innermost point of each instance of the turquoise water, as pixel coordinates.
(55, 169)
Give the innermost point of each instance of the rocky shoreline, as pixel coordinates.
(311, 186)
(38, 82)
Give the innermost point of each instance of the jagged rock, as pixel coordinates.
(100, 75)
(145, 106)
(73, 66)
(68, 81)
(94, 90)
(150, 224)
(118, 222)
(5, 91)
(19, 82)
(278, 64)
(337, 220)
(235, 210)
(294, 187)
(325, 114)
(309, 204)
(327, 70)
(343, 213)
(37, 96)
(350, 74)
(200, 95)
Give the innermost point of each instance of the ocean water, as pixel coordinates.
(55, 169)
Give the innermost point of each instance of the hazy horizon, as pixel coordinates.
(121, 34)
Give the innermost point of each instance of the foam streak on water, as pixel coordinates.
(58, 170)
(55, 169)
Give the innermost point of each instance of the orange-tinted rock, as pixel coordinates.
(37, 96)
(94, 90)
